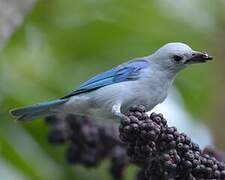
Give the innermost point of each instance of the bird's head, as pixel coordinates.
(176, 56)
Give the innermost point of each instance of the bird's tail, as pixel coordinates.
(35, 111)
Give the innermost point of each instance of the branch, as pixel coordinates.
(160, 151)
(12, 13)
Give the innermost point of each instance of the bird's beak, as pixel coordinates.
(198, 57)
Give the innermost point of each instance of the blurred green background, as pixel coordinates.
(62, 43)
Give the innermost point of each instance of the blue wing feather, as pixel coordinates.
(125, 72)
(99, 77)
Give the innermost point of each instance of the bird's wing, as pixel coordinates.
(125, 72)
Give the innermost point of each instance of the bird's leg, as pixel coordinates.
(116, 110)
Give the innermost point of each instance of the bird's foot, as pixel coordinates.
(122, 117)
(116, 111)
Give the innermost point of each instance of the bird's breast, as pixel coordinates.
(146, 93)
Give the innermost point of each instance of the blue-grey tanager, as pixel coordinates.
(109, 95)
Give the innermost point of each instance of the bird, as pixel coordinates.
(109, 95)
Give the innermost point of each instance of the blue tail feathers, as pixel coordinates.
(35, 111)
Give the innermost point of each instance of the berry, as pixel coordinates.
(160, 151)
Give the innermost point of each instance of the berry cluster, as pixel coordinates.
(160, 151)
(89, 142)
(167, 153)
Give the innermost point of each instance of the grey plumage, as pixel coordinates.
(109, 95)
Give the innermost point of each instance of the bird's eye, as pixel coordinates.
(177, 58)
